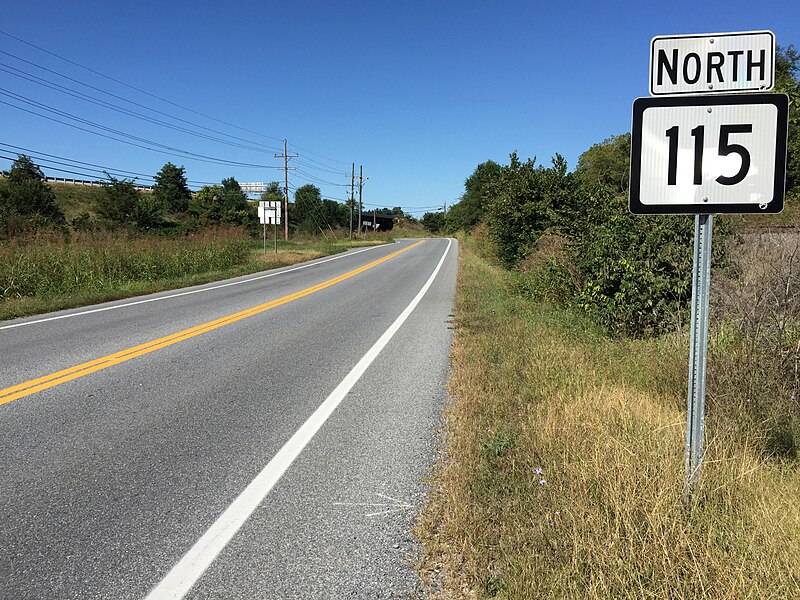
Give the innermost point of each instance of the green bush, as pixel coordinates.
(26, 201)
(525, 204)
(630, 274)
(123, 205)
(635, 271)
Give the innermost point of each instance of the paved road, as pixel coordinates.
(265, 437)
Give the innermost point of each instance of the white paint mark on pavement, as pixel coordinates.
(393, 507)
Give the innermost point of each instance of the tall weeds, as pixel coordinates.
(48, 265)
(563, 469)
(755, 343)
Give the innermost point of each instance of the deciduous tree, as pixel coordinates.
(122, 204)
(433, 221)
(306, 212)
(171, 188)
(607, 163)
(26, 200)
(787, 70)
(478, 191)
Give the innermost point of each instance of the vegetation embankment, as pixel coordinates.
(65, 245)
(563, 469)
(564, 465)
(48, 272)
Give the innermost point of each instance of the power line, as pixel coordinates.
(82, 164)
(317, 168)
(336, 160)
(170, 149)
(313, 178)
(96, 101)
(115, 107)
(320, 165)
(72, 62)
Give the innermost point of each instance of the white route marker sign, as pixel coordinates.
(709, 154)
(712, 63)
(269, 213)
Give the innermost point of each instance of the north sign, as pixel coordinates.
(709, 154)
(712, 63)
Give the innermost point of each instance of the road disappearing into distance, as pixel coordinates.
(262, 437)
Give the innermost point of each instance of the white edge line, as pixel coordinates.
(182, 577)
(178, 295)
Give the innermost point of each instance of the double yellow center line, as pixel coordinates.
(42, 383)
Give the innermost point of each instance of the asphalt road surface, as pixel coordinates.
(263, 437)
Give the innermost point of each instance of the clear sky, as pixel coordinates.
(417, 92)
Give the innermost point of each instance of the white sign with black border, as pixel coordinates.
(709, 154)
(712, 63)
(269, 213)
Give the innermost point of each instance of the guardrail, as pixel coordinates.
(88, 182)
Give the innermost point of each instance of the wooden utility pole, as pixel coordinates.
(352, 196)
(286, 168)
(361, 180)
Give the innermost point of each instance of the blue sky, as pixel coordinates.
(417, 92)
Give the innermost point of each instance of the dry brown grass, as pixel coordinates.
(604, 421)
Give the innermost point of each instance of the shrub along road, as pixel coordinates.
(263, 439)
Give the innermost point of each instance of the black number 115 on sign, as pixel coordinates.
(710, 154)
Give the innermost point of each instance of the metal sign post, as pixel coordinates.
(270, 213)
(262, 216)
(698, 344)
(697, 151)
(275, 223)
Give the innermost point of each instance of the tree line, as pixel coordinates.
(28, 203)
(571, 237)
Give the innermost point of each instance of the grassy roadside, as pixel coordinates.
(563, 469)
(47, 273)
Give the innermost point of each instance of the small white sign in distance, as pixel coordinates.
(269, 212)
(712, 63)
(709, 154)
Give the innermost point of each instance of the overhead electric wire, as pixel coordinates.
(313, 178)
(72, 62)
(195, 156)
(107, 171)
(86, 98)
(323, 169)
(336, 160)
(52, 168)
(118, 97)
(82, 164)
(93, 178)
(321, 165)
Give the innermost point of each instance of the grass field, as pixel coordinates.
(561, 474)
(50, 272)
(74, 200)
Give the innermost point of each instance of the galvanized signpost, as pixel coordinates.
(704, 145)
(269, 213)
